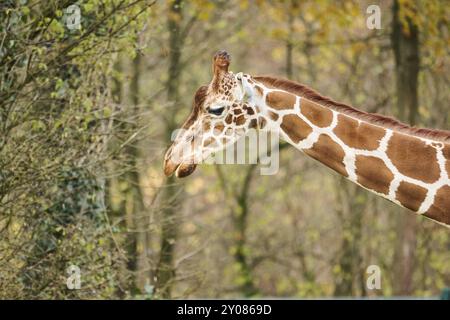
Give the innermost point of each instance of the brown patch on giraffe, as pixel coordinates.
(261, 122)
(229, 118)
(440, 210)
(373, 174)
(318, 115)
(250, 111)
(240, 120)
(446, 153)
(237, 111)
(411, 195)
(218, 128)
(273, 116)
(329, 153)
(206, 126)
(280, 100)
(413, 158)
(295, 127)
(358, 135)
(259, 90)
(253, 124)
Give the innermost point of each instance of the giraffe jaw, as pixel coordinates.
(183, 170)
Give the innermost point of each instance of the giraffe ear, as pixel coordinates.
(221, 62)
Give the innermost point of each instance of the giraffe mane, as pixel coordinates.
(374, 118)
(199, 99)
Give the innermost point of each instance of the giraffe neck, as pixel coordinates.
(408, 170)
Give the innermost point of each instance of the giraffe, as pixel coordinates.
(405, 165)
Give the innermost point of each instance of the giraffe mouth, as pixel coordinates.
(181, 170)
(181, 167)
(184, 170)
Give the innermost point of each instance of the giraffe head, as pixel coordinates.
(218, 118)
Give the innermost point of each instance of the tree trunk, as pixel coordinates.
(406, 50)
(131, 206)
(170, 198)
(289, 40)
(135, 210)
(289, 47)
(237, 203)
(240, 217)
(350, 280)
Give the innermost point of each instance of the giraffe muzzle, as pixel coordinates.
(181, 170)
(169, 167)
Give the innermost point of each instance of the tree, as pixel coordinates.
(165, 272)
(405, 43)
(55, 120)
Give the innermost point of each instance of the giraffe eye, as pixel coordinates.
(217, 111)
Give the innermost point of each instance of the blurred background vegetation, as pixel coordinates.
(86, 115)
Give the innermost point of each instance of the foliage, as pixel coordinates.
(55, 121)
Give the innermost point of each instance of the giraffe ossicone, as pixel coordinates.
(408, 166)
